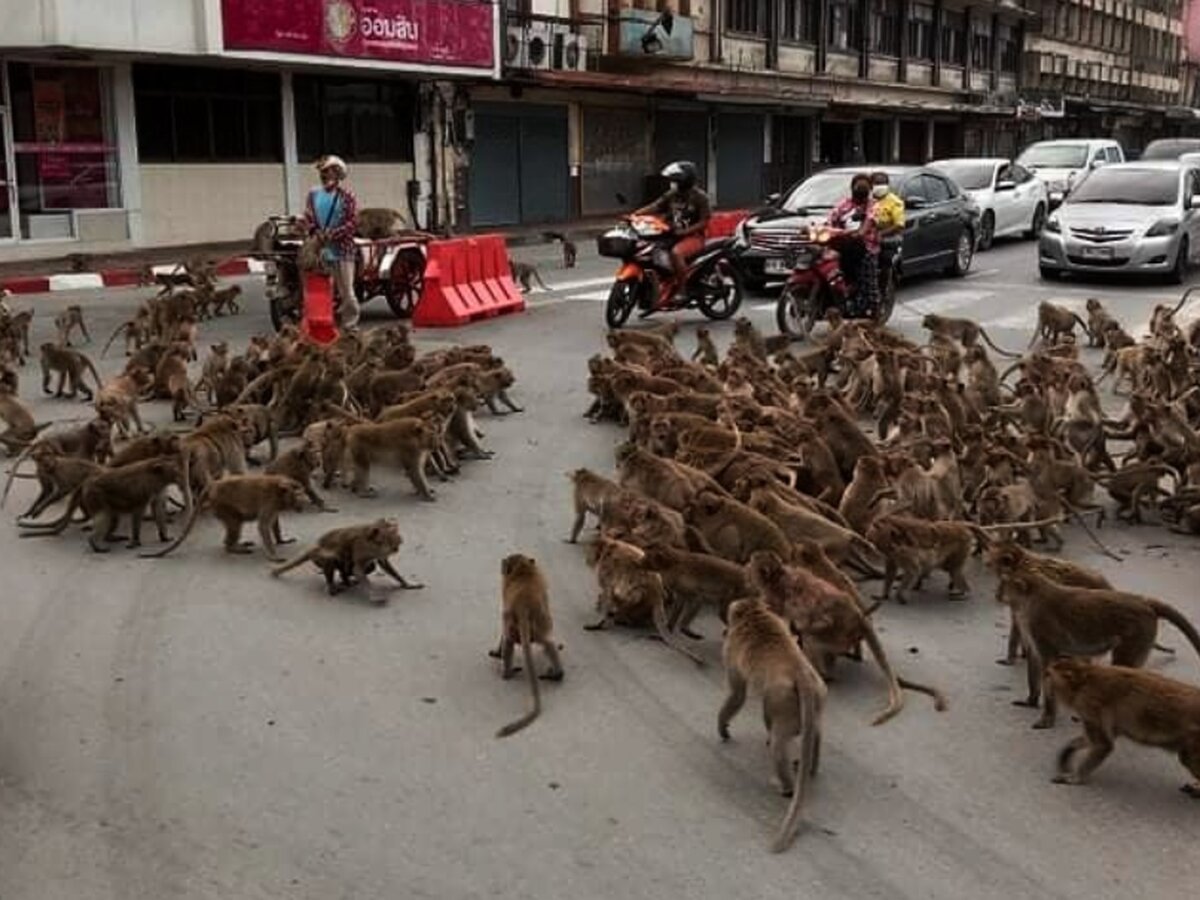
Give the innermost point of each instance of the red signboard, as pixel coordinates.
(432, 32)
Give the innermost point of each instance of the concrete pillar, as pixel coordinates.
(895, 154)
(129, 172)
(292, 189)
(928, 140)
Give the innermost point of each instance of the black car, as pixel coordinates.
(941, 222)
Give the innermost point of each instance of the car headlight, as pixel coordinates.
(1163, 227)
(1053, 225)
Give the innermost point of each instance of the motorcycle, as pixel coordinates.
(817, 282)
(392, 268)
(646, 280)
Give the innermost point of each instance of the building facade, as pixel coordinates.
(128, 123)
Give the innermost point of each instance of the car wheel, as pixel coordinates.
(987, 231)
(1049, 274)
(1180, 269)
(1039, 222)
(964, 252)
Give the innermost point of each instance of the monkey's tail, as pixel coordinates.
(809, 735)
(538, 278)
(91, 367)
(860, 556)
(527, 650)
(12, 472)
(1178, 619)
(939, 699)
(300, 560)
(124, 326)
(1007, 353)
(1091, 534)
(1086, 328)
(187, 529)
(41, 529)
(895, 695)
(660, 626)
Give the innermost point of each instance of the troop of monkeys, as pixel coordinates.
(362, 402)
(748, 487)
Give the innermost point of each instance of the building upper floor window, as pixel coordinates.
(800, 21)
(364, 121)
(1008, 48)
(187, 114)
(981, 44)
(954, 38)
(845, 28)
(748, 16)
(920, 31)
(885, 27)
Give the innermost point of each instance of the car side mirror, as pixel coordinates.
(1193, 201)
(773, 199)
(1097, 163)
(1006, 185)
(914, 202)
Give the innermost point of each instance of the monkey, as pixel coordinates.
(216, 364)
(118, 398)
(570, 252)
(1133, 483)
(1056, 620)
(829, 621)
(146, 447)
(171, 380)
(493, 387)
(257, 425)
(233, 382)
(68, 321)
(215, 447)
(525, 619)
(17, 325)
(461, 431)
(127, 490)
(21, 426)
(526, 274)
(798, 524)
(92, 441)
(225, 298)
(58, 477)
(760, 653)
(353, 552)
(298, 464)
(964, 331)
(706, 350)
(695, 580)
(1098, 322)
(407, 442)
(237, 499)
(914, 547)
(1054, 320)
(845, 440)
(733, 529)
(1119, 701)
(749, 338)
(670, 483)
(592, 493)
(70, 366)
(136, 332)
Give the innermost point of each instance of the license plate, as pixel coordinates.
(776, 267)
(1097, 253)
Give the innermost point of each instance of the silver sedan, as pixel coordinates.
(1137, 218)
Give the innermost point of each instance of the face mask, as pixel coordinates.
(861, 193)
(676, 187)
(880, 191)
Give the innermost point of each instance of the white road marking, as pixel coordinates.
(76, 281)
(581, 284)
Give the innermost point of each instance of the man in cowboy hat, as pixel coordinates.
(331, 213)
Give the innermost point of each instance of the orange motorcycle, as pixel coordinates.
(646, 279)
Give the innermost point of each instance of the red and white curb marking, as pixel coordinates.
(83, 281)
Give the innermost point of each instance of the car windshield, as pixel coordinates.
(969, 175)
(1141, 187)
(1170, 149)
(822, 191)
(1055, 156)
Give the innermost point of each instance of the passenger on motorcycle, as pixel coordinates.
(331, 213)
(687, 208)
(860, 259)
(889, 215)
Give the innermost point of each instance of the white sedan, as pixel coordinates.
(1010, 199)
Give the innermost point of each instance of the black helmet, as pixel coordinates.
(681, 172)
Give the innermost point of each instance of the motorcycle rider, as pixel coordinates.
(331, 213)
(688, 210)
(860, 258)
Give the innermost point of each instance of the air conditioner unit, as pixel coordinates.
(570, 51)
(528, 46)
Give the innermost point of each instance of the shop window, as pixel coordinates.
(885, 27)
(63, 145)
(845, 29)
(800, 21)
(364, 121)
(954, 42)
(920, 31)
(189, 114)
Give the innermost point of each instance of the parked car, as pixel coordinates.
(942, 223)
(1010, 199)
(1170, 148)
(1141, 217)
(1059, 164)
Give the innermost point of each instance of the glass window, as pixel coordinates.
(970, 176)
(920, 31)
(885, 27)
(981, 45)
(747, 16)
(1140, 187)
(366, 121)
(954, 44)
(822, 191)
(63, 144)
(913, 189)
(1010, 56)
(844, 25)
(187, 114)
(800, 20)
(935, 189)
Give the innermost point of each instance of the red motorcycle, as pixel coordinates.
(818, 284)
(646, 280)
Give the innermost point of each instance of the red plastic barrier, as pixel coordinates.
(466, 279)
(724, 223)
(318, 324)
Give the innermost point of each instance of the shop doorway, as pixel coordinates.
(519, 172)
(8, 188)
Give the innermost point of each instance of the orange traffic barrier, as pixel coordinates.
(318, 324)
(466, 279)
(724, 223)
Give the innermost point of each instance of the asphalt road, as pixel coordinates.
(190, 727)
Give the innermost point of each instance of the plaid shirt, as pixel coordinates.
(341, 232)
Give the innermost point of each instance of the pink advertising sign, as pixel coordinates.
(433, 32)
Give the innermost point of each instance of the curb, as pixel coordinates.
(110, 278)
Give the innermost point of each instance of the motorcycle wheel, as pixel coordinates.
(407, 282)
(621, 300)
(887, 299)
(797, 310)
(720, 291)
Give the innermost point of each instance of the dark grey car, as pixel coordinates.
(941, 222)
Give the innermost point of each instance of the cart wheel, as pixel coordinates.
(408, 280)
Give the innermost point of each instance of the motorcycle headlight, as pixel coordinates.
(1163, 227)
(741, 235)
(1054, 225)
